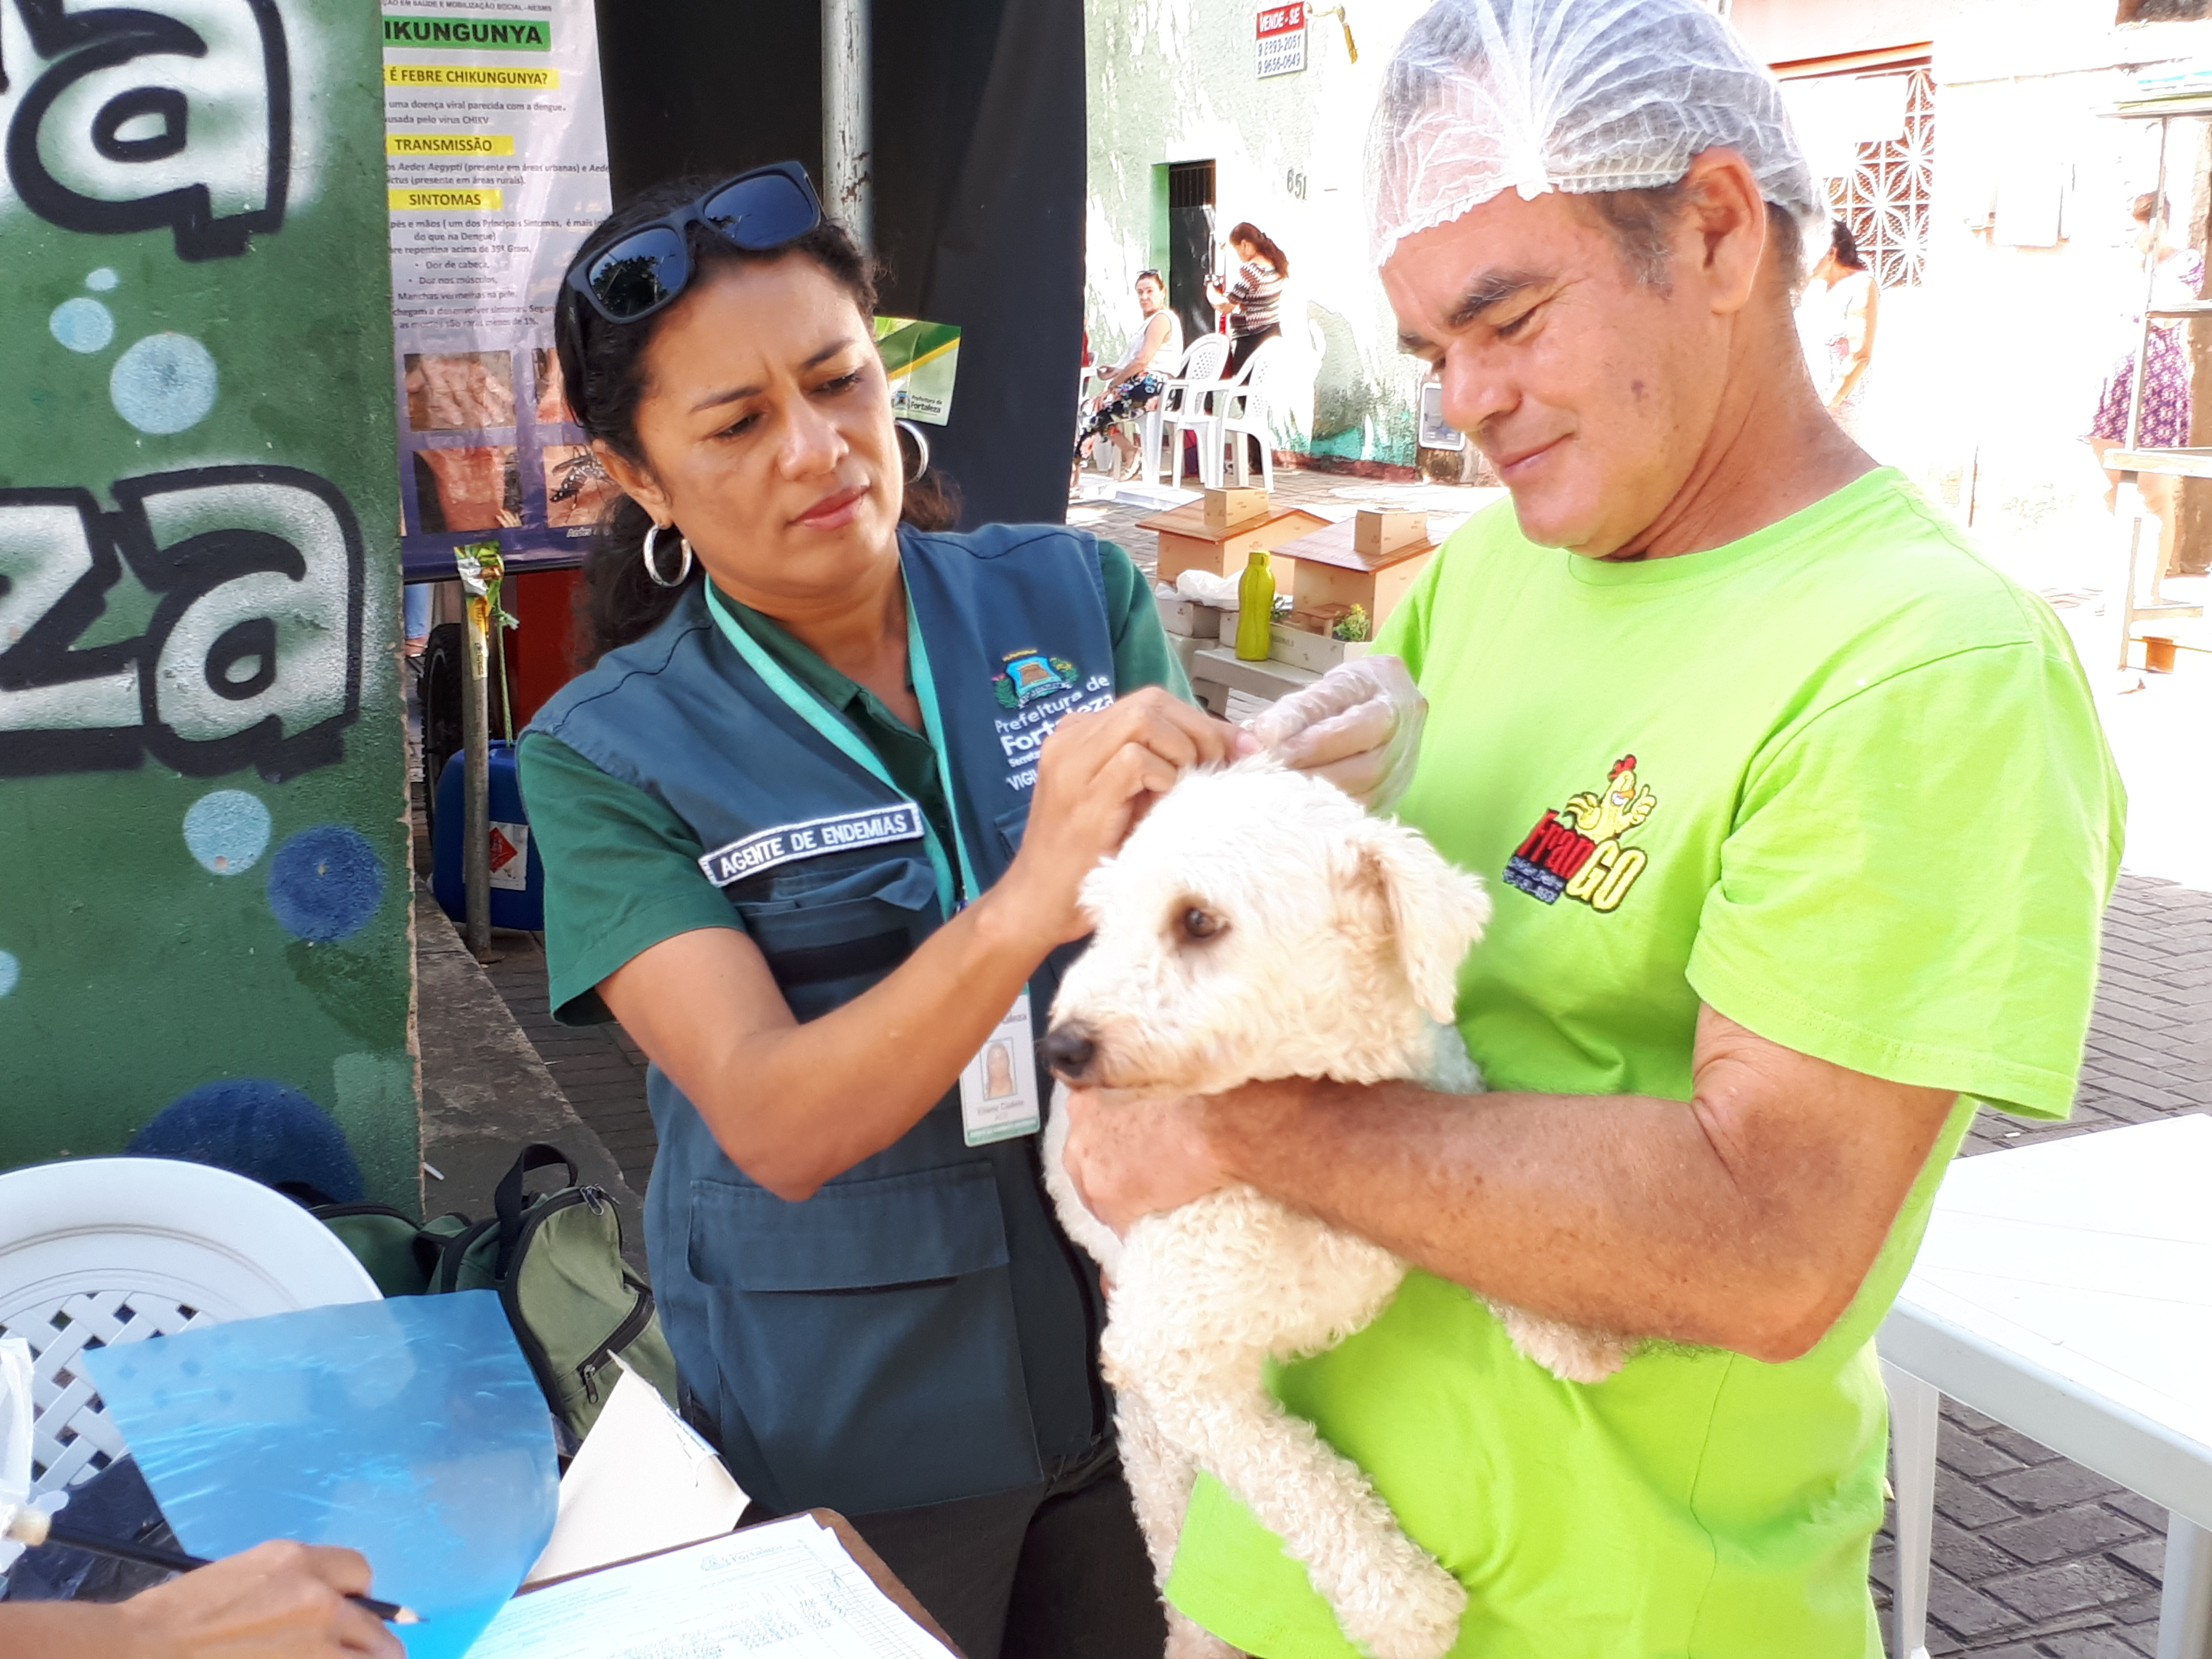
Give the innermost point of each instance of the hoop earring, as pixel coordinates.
(651, 551)
(921, 449)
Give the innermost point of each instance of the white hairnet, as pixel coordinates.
(1484, 96)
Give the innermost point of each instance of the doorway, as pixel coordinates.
(1191, 246)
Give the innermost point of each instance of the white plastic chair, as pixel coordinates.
(1090, 381)
(1145, 427)
(1246, 409)
(116, 1249)
(1189, 404)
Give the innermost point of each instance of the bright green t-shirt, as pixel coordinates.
(1842, 780)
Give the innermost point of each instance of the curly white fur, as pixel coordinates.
(1336, 955)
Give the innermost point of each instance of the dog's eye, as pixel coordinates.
(1199, 924)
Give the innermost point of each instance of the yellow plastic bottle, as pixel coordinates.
(1255, 608)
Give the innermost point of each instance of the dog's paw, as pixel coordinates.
(1418, 1619)
(1568, 1352)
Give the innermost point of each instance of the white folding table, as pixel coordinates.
(2065, 1289)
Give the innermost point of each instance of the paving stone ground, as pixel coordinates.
(2035, 1558)
(486, 1094)
(599, 1069)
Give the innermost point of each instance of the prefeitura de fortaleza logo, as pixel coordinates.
(1032, 674)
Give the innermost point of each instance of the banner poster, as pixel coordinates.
(920, 361)
(495, 155)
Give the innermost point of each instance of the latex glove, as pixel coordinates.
(1359, 726)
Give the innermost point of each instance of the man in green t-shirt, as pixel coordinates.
(1800, 823)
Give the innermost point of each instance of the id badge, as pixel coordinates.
(998, 1087)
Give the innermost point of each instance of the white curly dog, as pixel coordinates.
(1259, 923)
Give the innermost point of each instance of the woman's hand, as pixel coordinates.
(1095, 775)
(282, 1600)
(276, 1599)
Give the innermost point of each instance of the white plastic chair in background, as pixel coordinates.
(1104, 456)
(1087, 382)
(1246, 410)
(1189, 404)
(1144, 426)
(115, 1249)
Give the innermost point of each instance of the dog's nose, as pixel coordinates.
(1069, 1049)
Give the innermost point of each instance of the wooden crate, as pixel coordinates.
(1187, 618)
(1316, 652)
(1225, 508)
(1330, 569)
(1379, 530)
(1188, 543)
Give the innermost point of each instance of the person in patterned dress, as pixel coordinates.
(1133, 385)
(2166, 410)
(1835, 318)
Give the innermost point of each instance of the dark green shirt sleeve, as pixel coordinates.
(622, 873)
(1142, 655)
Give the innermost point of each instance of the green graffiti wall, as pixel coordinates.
(203, 865)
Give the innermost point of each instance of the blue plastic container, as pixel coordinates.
(519, 907)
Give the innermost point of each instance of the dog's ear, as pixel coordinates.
(1434, 910)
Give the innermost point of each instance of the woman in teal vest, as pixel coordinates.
(813, 829)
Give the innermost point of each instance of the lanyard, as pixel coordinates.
(818, 714)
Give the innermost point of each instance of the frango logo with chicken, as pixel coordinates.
(1575, 851)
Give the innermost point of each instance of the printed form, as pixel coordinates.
(788, 1590)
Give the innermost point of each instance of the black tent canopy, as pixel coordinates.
(977, 175)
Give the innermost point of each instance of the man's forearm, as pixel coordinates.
(1745, 1218)
(1615, 1213)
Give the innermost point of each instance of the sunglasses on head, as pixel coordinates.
(635, 275)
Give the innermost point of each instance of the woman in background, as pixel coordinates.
(1251, 301)
(1134, 383)
(2166, 408)
(1836, 316)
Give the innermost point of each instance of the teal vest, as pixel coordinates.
(920, 1330)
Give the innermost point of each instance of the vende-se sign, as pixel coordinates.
(1281, 37)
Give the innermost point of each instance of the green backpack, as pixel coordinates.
(556, 1260)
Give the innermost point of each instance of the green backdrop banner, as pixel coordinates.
(204, 862)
